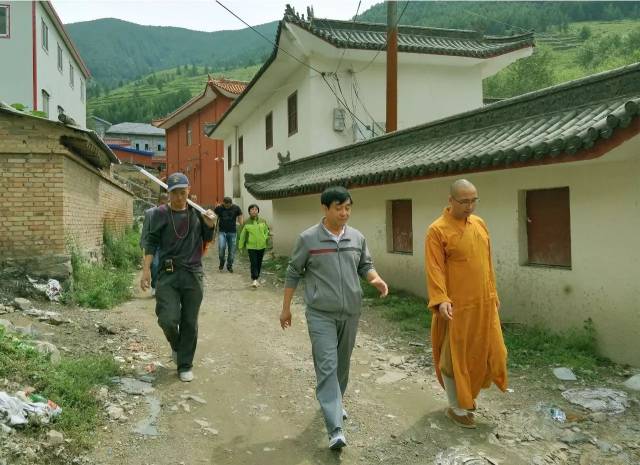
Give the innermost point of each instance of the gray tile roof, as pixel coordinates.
(141, 129)
(556, 124)
(372, 36)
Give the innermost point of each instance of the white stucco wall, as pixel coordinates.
(605, 218)
(54, 81)
(16, 57)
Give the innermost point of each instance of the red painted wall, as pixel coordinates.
(198, 160)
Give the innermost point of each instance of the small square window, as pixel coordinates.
(399, 226)
(548, 227)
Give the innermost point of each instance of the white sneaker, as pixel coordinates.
(186, 376)
(153, 292)
(174, 356)
(337, 439)
(255, 283)
(344, 414)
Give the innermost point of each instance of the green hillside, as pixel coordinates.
(159, 93)
(116, 50)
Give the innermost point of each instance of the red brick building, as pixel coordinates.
(189, 150)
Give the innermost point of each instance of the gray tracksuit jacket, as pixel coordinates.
(330, 270)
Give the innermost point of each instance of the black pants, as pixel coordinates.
(178, 298)
(255, 257)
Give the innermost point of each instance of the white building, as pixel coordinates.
(558, 176)
(41, 67)
(138, 136)
(323, 87)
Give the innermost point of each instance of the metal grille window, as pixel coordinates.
(4, 21)
(268, 127)
(401, 230)
(548, 227)
(59, 58)
(240, 150)
(45, 36)
(292, 113)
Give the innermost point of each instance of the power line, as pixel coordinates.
(344, 50)
(384, 44)
(321, 73)
(267, 39)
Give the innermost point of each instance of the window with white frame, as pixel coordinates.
(81, 90)
(4, 21)
(71, 77)
(45, 102)
(59, 58)
(45, 36)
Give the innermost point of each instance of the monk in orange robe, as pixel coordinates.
(468, 348)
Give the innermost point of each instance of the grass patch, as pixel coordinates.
(408, 311)
(106, 284)
(276, 264)
(68, 384)
(536, 346)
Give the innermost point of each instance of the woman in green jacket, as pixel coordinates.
(253, 237)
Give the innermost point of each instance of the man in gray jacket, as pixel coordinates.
(331, 257)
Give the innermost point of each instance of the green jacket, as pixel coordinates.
(254, 234)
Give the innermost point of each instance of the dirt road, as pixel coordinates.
(258, 385)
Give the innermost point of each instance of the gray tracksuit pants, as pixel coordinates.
(332, 342)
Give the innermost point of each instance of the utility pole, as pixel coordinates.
(392, 67)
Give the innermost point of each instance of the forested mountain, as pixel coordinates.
(503, 17)
(118, 51)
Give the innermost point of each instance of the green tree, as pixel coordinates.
(525, 75)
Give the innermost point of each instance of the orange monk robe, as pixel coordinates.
(460, 271)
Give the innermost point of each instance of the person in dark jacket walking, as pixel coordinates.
(178, 233)
(331, 257)
(228, 214)
(253, 237)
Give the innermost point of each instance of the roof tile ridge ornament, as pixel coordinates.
(282, 160)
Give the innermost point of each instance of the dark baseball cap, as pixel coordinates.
(177, 181)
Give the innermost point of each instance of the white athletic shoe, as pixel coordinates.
(255, 283)
(186, 376)
(337, 439)
(153, 292)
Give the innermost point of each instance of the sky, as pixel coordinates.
(201, 15)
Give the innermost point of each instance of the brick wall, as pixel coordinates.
(49, 195)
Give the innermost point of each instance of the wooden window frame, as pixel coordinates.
(547, 224)
(292, 113)
(394, 242)
(7, 35)
(268, 130)
(240, 150)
